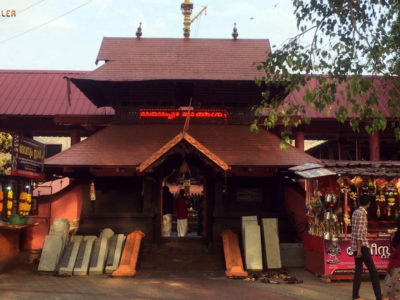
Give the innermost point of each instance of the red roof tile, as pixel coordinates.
(296, 97)
(130, 145)
(132, 59)
(43, 93)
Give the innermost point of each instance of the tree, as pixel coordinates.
(340, 41)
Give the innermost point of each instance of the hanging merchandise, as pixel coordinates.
(1, 198)
(92, 191)
(392, 196)
(28, 203)
(9, 202)
(22, 204)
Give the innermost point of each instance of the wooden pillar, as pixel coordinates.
(299, 140)
(75, 136)
(341, 148)
(374, 147)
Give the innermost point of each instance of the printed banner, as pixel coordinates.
(339, 259)
(27, 157)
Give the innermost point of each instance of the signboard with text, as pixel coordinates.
(27, 157)
(339, 259)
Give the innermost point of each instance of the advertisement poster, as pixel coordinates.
(27, 157)
(339, 259)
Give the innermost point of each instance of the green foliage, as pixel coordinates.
(338, 44)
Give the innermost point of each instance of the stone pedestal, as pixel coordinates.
(114, 252)
(271, 243)
(70, 254)
(83, 257)
(99, 256)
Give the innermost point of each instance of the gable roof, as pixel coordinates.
(130, 145)
(43, 93)
(133, 59)
(183, 136)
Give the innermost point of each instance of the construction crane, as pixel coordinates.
(187, 8)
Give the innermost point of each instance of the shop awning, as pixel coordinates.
(311, 170)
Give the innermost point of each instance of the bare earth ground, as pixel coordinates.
(24, 282)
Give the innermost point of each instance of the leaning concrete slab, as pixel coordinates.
(233, 257)
(271, 243)
(99, 256)
(247, 220)
(52, 249)
(83, 258)
(114, 252)
(252, 246)
(127, 266)
(70, 254)
(60, 227)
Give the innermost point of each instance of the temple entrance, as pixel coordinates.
(183, 201)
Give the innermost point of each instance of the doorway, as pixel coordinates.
(183, 176)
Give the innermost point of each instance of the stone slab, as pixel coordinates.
(252, 246)
(247, 220)
(68, 260)
(292, 255)
(84, 254)
(99, 256)
(272, 251)
(60, 227)
(51, 253)
(114, 252)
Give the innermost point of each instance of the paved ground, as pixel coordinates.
(23, 282)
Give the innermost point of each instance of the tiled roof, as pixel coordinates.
(130, 145)
(364, 168)
(132, 59)
(43, 93)
(296, 97)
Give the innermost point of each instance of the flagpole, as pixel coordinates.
(186, 125)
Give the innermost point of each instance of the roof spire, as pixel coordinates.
(139, 31)
(186, 8)
(235, 34)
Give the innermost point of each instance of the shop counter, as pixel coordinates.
(336, 262)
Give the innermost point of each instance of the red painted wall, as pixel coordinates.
(295, 202)
(67, 205)
(9, 243)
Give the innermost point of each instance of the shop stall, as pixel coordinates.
(16, 185)
(332, 192)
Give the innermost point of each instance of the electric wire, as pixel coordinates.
(45, 23)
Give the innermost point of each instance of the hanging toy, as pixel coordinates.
(380, 204)
(22, 204)
(9, 202)
(28, 204)
(1, 201)
(391, 194)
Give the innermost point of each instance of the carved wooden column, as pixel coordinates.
(75, 136)
(374, 147)
(299, 140)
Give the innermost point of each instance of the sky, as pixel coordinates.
(66, 34)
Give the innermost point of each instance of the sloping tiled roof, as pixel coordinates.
(132, 59)
(364, 168)
(43, 93)
(296, 97)
(130, 145)
(183, 136)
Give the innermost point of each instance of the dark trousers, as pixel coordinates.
(366, 258)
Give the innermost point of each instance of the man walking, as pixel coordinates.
(360, 247)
